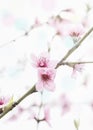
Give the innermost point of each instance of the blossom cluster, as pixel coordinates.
(46, 71)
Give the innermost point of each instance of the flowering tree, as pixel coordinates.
(47, 68)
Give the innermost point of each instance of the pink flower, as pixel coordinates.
(65, 104)
(37, 23)
(3, 101)
(46, 79)
(66, 28)
(47, 115)
(76, 30)
(43, 61)
(77, 68)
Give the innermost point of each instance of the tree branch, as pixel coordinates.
(74, 48)
(74, 63)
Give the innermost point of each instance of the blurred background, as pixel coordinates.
(33, 26)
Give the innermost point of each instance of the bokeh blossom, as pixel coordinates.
(47, 115)
(65, 104)
(77, 68)
(46, 79)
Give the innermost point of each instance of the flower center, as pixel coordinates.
(45, 77)
(1, 102)
(43, 62)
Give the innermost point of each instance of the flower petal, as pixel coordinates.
(35, 60)
(39, 86)
(50, 86)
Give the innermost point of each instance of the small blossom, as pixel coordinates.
(60, 25)
(76, 30)
(46, 79)
(67, 28)
(77, 68)
(37, 23)
(3, 101)
(47, 115)
(43, 61)
(65, 104)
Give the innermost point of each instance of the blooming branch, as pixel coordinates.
(61, 62)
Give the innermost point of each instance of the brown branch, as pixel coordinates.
(74, 63)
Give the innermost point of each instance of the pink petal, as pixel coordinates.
(45, 54)
(47, 115)
(35, 60)
(50, 86)
(39, 86)
(53, 64)
(42, 60)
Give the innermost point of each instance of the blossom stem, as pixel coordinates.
(74, 48)
(49, 43)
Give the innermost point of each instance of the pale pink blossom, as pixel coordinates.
(46, 79)
(77, 68)
(3, 101)
(76, 30)
(65, 104)
(65, 27)
(37, 23)
(60, 25)
(43, 60)
(47, 115)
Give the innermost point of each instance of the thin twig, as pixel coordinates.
(26, 33)
(77, 62)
